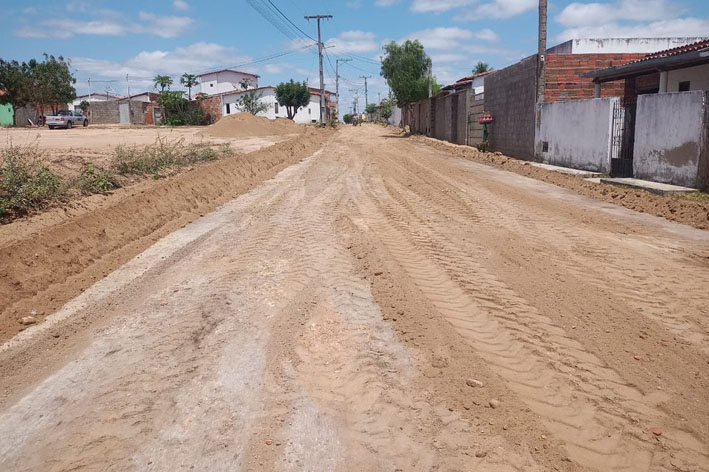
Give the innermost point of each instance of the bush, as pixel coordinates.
(26, 184)
(93, 179)
(348, 118)
(482, 146)
(179, 111)
(165, 154)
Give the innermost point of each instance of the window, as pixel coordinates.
(228, 108)
(310, 111)
(684, 86)
(211, 85)
(276, 107)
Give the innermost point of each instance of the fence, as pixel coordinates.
(672, 138)
(578, 134)
(450, 117)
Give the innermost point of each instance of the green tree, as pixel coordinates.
(52, 82)
(293, 96)
(201, 96)
(251, 103)
(406, 69)
(15, 83)
(162, 81)
(84, 106)
(189, 81)
(179, 111)
(387, 109)
(348, 118)
(481, 67)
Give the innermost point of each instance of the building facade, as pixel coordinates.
(225, 81)
(309, 114)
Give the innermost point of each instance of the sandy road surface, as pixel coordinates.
(68, 150)
(379, 306)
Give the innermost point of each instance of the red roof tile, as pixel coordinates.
(698, 46)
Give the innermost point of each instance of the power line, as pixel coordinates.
(289, 21)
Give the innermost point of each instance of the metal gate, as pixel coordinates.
(454, 118)
(124, 112)
(623, 141)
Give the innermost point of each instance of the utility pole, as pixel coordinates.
(128, 86)
(541, 57)
(337, 83)
(322, 78)
(430, 78)
(366, 91)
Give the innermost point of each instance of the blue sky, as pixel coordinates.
(107, 40)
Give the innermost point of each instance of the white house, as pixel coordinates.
(94, 97)
(225, 81)
(309, 114)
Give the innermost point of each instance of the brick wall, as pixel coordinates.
(212, 108)
(564, 83)
(510, 96)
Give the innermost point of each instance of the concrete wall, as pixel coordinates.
(620, 45)
(698, 78)
(510, 96)
(671, 138)
(578, 134)
(108, 112)
(438, 117)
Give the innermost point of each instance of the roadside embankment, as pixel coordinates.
(689, 210)
(50, 258)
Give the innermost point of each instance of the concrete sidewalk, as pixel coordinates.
(654, 187)
(584, 174)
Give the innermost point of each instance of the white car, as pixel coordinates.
(67, 119)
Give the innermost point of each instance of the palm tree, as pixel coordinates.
(163, 81)
(481, 67)
(189, 81)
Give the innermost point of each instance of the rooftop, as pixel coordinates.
(228, 70)
(681, 57)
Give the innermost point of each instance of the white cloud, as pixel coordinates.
(487, 35)
(585, 14)
(30, 11)
(438, 6)
(441, 38)
(109, 23)
(181, 5)
(353, 42)
(385, 3)
(165, 26)
(195, 58)
(628, 19)
(501, 9)
(677, 27)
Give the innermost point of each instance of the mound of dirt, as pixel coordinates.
(245, 124)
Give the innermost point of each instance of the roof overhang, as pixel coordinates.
(649, 66)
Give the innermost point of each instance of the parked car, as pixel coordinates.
(66, 119)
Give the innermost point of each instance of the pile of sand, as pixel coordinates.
(245, 124)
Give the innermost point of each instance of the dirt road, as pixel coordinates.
(379, 306)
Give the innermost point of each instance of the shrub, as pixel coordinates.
(165, 154)
(93, 179)
(482, 146)
(25, 183)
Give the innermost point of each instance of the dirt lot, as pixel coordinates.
(381, 305)
(68, 150)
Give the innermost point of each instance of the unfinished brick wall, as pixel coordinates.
(564, 83)
(212, 108)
